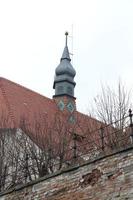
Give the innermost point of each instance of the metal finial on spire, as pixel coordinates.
(66, 34)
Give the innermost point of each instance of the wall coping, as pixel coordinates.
(63, 171)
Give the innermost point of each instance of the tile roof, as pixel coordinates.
(18, 103)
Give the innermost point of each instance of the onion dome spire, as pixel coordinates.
(64, 74)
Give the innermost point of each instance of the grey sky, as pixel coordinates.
(32, 40)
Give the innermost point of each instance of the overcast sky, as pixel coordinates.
(32, 40)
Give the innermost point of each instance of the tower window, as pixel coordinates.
(61, 105)
(70, 107)
(72, 119)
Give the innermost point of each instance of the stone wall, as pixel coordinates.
(107, 178)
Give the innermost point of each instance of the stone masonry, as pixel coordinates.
(106, 178)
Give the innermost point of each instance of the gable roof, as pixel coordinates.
(18, 103)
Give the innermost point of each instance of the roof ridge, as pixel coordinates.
(30, 90)
(7, 103)
(92, 118)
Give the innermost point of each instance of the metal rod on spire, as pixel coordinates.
(66, 34)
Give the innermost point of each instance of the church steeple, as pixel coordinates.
(64, 75)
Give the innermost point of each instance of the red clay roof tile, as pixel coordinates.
(18, 103)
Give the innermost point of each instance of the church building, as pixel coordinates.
(39, 135)
(18, 102)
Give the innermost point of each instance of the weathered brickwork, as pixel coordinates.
(107, 178)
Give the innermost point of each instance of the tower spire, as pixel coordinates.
(64, 74)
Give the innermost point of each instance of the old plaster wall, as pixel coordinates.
(107, 178)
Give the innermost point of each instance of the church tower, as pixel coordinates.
(64, 83)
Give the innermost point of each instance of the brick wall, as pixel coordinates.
(107, 178)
